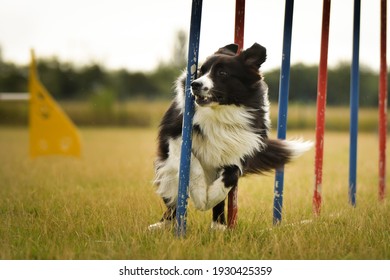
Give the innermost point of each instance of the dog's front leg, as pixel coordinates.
(198, 185)
(220, 188)
(206, 197)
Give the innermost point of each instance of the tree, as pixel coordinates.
(179, 52)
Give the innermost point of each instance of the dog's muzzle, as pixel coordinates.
(201, 93)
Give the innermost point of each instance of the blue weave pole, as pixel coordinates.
(354, 104)
(185, 159)
(283, 106)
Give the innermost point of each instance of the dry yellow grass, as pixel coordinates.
(99, 206)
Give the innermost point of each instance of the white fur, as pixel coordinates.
(225, 128)
(167, 173)
(216, 192)
(266, 106)
(180, 94)
(207, 83)
(204, 195)
(218, 227)
(160, 225)
(298, 146)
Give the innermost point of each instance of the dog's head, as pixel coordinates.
(228, 78)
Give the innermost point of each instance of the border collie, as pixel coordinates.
(230, 133)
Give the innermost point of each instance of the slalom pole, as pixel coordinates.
(239, 40)
(354, 104)
(321, 106)
(185, 159)
(283, 105)
(239, 24)
(382, 102)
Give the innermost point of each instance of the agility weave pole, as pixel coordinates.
(239, 40)
(354, 105)
(382, 101)
(185, 159)
(283, 106)
(321, 107)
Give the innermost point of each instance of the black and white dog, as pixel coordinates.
(230, 133)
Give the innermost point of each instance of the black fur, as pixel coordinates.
(274, 156)
(219, 213)
(230, 175)
(170, 127)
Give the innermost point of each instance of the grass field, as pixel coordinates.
(99, 206)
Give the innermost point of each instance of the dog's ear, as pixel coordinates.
(228, 50)
(255, 55)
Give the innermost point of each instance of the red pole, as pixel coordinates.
(239, 24)
(239, 40)
(382, 103)
(321, 106)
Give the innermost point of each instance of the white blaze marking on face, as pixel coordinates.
(206, 81)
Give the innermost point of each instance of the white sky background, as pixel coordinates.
(138, 34)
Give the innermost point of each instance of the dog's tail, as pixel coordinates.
(275, 154)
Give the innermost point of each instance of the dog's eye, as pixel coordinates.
(223, 73)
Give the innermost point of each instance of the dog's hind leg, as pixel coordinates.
(170, 213)
(167, 180)
(167, 219)
(219, 222)
(230, 178)
(219, 213)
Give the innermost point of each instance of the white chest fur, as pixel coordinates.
(226, 136)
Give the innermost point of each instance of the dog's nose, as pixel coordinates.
(196, 85)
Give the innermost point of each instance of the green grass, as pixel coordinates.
(99, 206)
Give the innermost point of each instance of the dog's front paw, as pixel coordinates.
(218, 226)
(230, 175)
(161, 225)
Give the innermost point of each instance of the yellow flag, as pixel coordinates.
(51, 131)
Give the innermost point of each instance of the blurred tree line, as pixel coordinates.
(95, 83)
(303, 85)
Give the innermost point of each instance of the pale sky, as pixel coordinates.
(137, 35)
